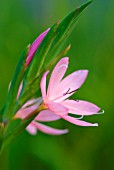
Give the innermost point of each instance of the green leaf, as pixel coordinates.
(55, 60)
(8, 134)
(1, 134)
(64, 30)
(15, 84)
(1, 113)
(13, 129)
(11, 126)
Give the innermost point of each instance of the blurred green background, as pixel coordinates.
(84, 148)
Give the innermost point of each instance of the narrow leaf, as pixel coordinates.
(15, 83)
(63, 29)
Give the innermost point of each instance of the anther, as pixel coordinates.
(68, 91)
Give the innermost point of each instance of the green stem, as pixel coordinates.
(4, 160)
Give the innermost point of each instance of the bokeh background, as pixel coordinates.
(84, 148)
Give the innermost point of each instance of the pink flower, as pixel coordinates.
(56, 101)
(35, 46)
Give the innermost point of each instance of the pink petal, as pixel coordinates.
(31, 102)
(70, 84)
(47, 116)
(19, 91)
(57, 108)
(56, 76)
(81, 107)
(43, 85)
(25, 111)
(49, 130)
(31, 129)
(78, 122)
(35, 46)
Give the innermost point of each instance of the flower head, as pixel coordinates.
(60, 89)
(55, 101)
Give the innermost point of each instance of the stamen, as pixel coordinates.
(80, 117)
(66, 92)
(101, 112)
(70, 92)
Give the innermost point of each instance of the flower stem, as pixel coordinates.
(4, 160)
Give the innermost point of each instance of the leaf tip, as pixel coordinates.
(88, 2)
(68, 48)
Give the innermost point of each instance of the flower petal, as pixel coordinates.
(35, 46)
(49, 130)
(19, 91)
(32, 102)
(29, 107)
(47, 116)
(56, 77)
(78, 122)
(23, 113)
(70, 84)
(81, 107)
(43, 85)
(31, 129)
(57, 108)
